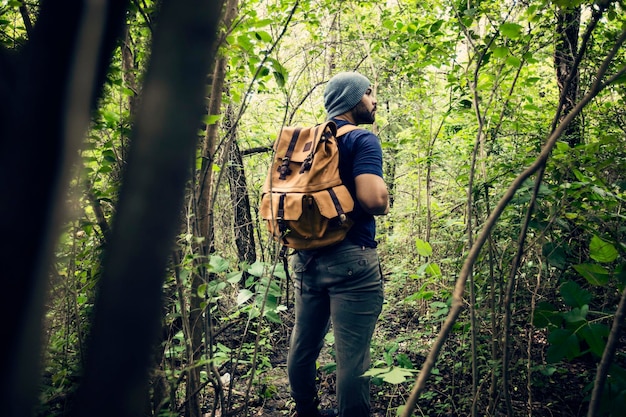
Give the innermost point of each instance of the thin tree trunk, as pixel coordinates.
(567, 74)
(607, 356)
(130, 81)
(429, 163)
(508, 297)
(244, 232)
(495, 330)
(205, 222)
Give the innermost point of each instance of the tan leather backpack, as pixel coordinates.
(304, 201)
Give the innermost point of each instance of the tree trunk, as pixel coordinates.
(205, 223)
(568, 76)
(128, 307)
(130, 82)
(47, 89)
(243, 230)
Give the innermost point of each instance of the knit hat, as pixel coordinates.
(344, 91)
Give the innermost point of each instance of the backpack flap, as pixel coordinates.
(298, 143)
(304, 160)
(334, 202)
(301, 219)
(291, 205)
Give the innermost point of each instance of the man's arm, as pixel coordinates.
(371, 191)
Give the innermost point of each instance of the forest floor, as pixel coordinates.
(559, 393)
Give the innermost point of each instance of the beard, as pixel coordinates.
(362, 115)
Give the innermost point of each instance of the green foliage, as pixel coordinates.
(572, 332)
(395, 369)
(613, 398)
(451, 79)
(266, 292)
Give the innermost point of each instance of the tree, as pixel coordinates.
(69, 83)
(65, 78)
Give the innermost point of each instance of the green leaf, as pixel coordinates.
(577, 315)
(263, 36)
(555, 255)
(547, 370)
(513, 61)
(256, 269)
(218, 264)
(211, 119)
(202, 288)
(279, 272)
(273, 316)
(388, 358)
(595, 335)
(546, 315)
(215, 287)
(620, 80)
(423, 248)
(602, 251)
(404, 361)
(511, 30)
(573, 295)
(234, 277)
(376, 371)
(500, 52)
(595, 274)
(329, 367)
(563, 344)
(396, 376)
(433, 270)
(280, 78)
(388, 24)
(280, 72)
(264, 71)
(253, 312)
(436, 26)
(243, 296)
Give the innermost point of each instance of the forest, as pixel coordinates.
(140, 280)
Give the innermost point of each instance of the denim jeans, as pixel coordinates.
(341, 285)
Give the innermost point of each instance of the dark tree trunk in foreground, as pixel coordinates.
(164, 141)
(47, 90)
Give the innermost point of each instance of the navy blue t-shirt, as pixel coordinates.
(359, 153)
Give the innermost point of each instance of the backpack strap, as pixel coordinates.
(284, 169)
(347, 128)
(337, 204)
(280, 217)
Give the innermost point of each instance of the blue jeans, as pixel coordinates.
(342, 285)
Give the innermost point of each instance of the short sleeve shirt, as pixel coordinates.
(359, 153)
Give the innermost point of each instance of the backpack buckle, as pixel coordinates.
(284, 169)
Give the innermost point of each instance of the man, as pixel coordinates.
(342, 284)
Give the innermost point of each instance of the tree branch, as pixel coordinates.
(607, 356)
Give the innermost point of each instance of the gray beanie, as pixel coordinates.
(344, 91)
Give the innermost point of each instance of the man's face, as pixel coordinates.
(365, 111)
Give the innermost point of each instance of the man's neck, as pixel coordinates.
(347, 117)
